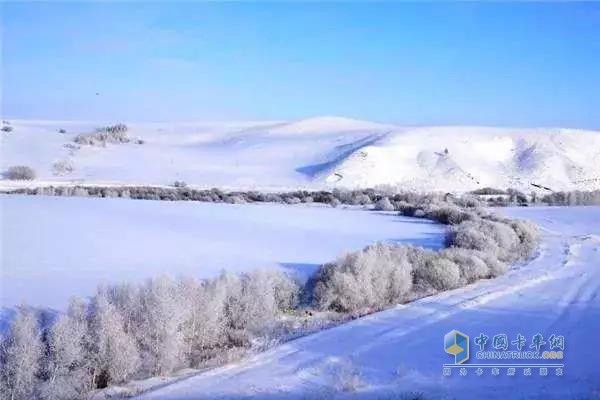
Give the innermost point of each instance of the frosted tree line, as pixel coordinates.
(383, 197)
(128, 331)
(479, 245)
(136, 331)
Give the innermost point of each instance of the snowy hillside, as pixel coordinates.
(399, 351)
(321, 152)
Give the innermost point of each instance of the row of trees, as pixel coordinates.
(183, 193)
(128, 331)
(501, 198)
(480, 245)
(380, 199)
(572, 198)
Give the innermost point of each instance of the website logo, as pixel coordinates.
(457, 344)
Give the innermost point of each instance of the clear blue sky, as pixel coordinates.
(463, 63)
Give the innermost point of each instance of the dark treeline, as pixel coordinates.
(387, 198)
(502, 198)
(182, 193)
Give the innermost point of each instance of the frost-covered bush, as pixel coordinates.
(61, 168)
(471, 267)
(494, 238)
(495, 266)
(488, 191)
(448, 215)
(408, 209)
(235, 199)
(334, 202)
(480, 246)
(528, 235)
(440, 273)
(20, 172)
(112, 134)
(292, 200)
(384, 204)
(374, 277)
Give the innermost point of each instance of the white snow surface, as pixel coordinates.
(55, 247)
(322, 152)
(401, 350)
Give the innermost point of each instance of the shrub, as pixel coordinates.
(472, 268)
(495, 266)
(334, 202)
(61, 168)
(179, 184)
(235, 199)
(62, 131)
(439, 273)
(384, 204)
(292, 200)
(20, 172)
(374, 277)
(7, 128)
(114, 134)
(488, 191)
(528, 235)
(419, 213)
(448, 215)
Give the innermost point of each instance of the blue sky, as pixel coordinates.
(510, 64)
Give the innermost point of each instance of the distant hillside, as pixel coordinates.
(320, 152)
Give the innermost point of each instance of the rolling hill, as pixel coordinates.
(322, 152)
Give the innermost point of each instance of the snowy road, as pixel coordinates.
(401, 350)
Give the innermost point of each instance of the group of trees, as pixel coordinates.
(501, 198)
(126, 331)
(572, 198)
(480, 245)
(181, 192)
(134, 331)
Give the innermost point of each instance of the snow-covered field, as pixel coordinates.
(401, 350)
(56, 247)
(311, 153)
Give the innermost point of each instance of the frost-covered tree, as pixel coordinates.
(20, 357)
(67, 366)
(114, 354)
(160, 327)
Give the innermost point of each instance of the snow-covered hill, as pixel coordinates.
(321, 152)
